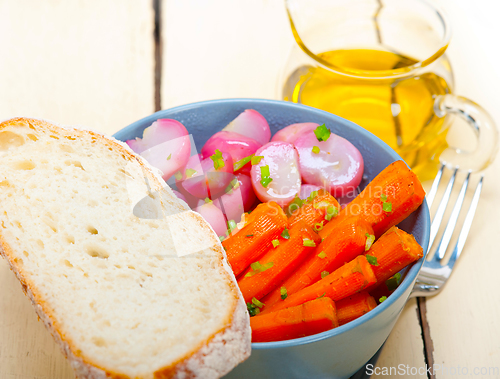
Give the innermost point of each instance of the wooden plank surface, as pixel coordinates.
(74, 62)
(463, 319)
(77, 62)
(238, 49)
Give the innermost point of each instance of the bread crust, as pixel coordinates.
(213, 358)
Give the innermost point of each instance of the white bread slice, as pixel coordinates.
(124, 296)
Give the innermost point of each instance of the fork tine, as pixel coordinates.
(438, 218)
(452, 222)
(435, 184)
(467, 224)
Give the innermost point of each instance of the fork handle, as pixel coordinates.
(480, 122)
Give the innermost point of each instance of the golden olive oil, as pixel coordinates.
(399, 111)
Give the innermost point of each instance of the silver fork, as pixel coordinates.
(433, 275)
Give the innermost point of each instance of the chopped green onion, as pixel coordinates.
(178, 175)
(256, 159)
(190, 172)
(382, 299)
(331, 211)
(242, 162)
(222, 238)
(370, 238)
(316, 150)
(266, 179)
(296, 203)
(312, 196)
(231, 225)
(285, 234)
(207, 200)
(249, 235)
(258, 268)
(283, 293)
(169, 157)
(308, 242)
(383, 197)
(252, 309)
(318, 226)
(319, 297)
(322, 133)
(235, 183)
(393, 282)
(217, 158)
(257, 303)
(265, 182)
(264, 171)
(322, 255)
(387, 207)
(372, 260)
(324, 273)
(275, 243)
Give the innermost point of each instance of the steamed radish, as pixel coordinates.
(307, 189)
(235, 144)
(165, 145)
(158, 132)
(276, 177)
(213, 215)
(334, 164)
(252, 124)
(201, 179)
(239, 199)
(290, 133)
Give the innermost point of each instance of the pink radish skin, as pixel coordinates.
(306, 189)
(213, 215)
(283, 162)
(235, 144)
(252, 124)
(160, 131)
(239, 200)
(206, 181)
(290, 133)
(338, 166)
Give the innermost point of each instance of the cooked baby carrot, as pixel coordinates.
(266, 223)
(352, 277)
(354, 306)
(290, 251)
(387, 200)
(317, 211)
(313, 317)
(341, 246)
(394, 250)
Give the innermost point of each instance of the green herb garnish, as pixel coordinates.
(207, 200)
(249, 235)
(217, 158)
(275, 243)
(169, 157)
(370, 238)
(285, 234)
(258, 268)
(318, 226)
(387, 207)
(372, 260)
(393, 282)
(322, 255)
(231, 225)
(383, 197)
(296, 203)
(382, 299)
(308, 242)
(316, 150)
(312, 196)
(242, 162)
(283, 292)
(265, 174)
(324, 273)
(252, 309)
(324, 293)
(331, 211)
(256, 159)
(190, 172)
(178, 175)
(322, 133)
(222, 238)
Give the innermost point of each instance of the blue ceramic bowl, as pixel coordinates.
(340, 352)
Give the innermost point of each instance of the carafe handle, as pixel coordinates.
(481, 123)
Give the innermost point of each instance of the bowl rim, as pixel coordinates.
(411, 274)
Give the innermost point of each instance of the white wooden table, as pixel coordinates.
(94, 64)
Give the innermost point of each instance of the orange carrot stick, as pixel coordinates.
(280, 262)
(265, 224)
(386, 201)
(316, 212)
(341, 246)
(394, 250)
(354, 306)
(345, 281)
(313, 317)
